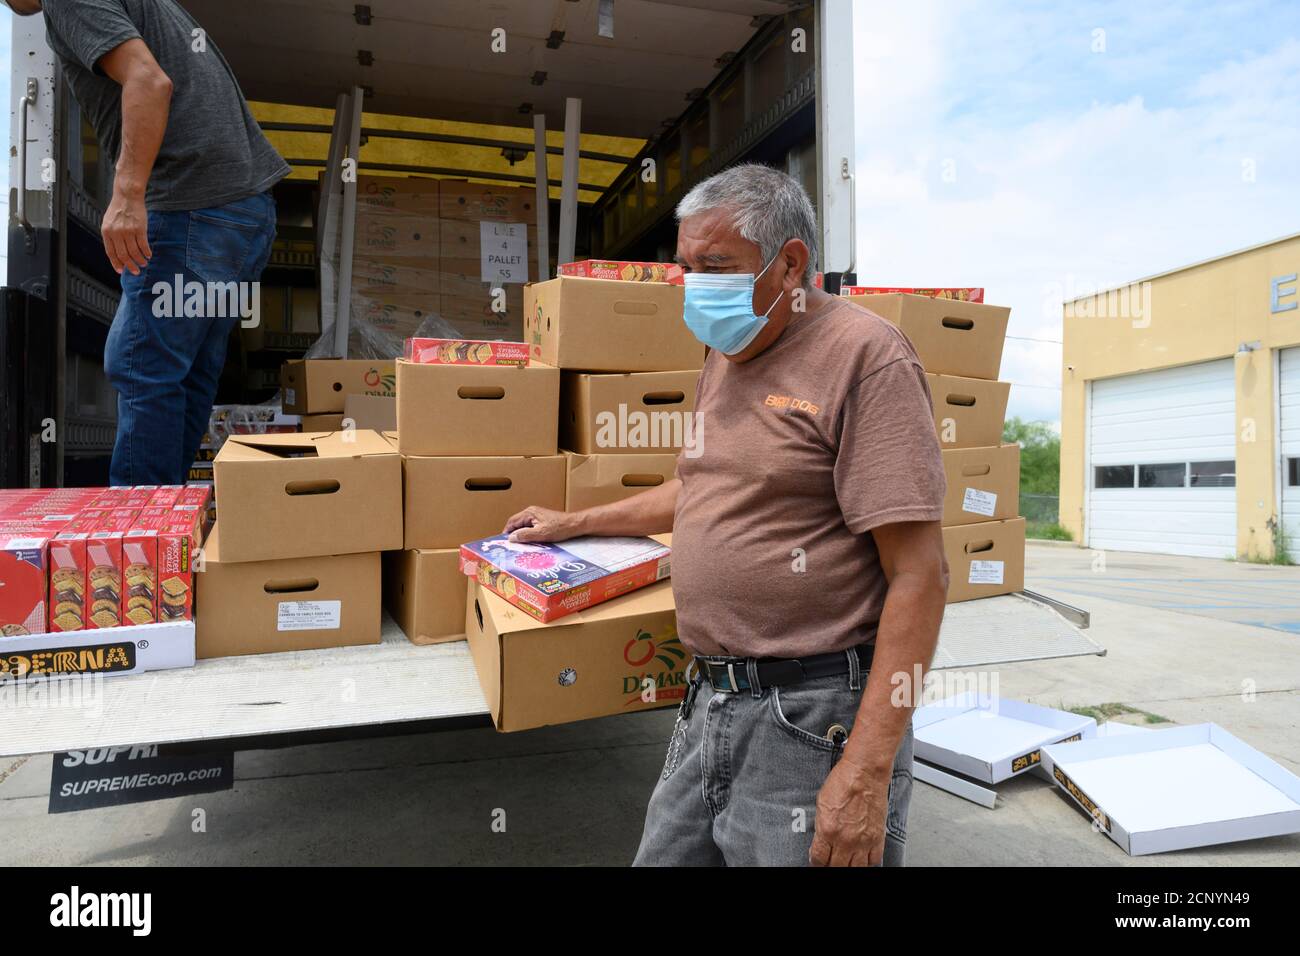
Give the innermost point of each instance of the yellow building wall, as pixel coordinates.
(1198, 314)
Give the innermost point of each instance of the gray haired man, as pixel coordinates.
(808, 563)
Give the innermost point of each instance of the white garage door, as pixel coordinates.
(1289, 418)
(1162, 471)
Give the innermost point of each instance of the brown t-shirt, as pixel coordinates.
(825, 435)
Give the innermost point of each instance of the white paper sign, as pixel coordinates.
(979, 502)
(985, 572)
(309, 615)
(503, 248)
(290, 396)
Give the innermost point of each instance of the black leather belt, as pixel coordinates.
(730, 675)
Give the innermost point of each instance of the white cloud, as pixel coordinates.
(995, 149)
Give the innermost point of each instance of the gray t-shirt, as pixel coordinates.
(213, 152)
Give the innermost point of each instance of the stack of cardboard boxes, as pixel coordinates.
(428, 247)
(960, 345)
(293, 561)
(478, 444)
(326, 391)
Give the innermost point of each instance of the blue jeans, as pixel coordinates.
(741, 790)
(165, 366)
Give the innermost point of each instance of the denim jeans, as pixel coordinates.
(166, 369)
(742, 789)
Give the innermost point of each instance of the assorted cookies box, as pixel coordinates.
(465, 352)
(23, 555)
(549, 581)
(669, 272)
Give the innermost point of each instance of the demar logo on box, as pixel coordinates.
(641, 652)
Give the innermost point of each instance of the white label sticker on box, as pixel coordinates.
(290, 396)
(985, 572)
(979, 502)
(503, 249)
(309, 616)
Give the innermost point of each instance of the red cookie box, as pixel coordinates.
(104, 567)
(140, 548)
(179, 539)
(197, 498)
(465, 352)
(166, 496)
(23, 557)
(963, 295)
(669, 272)
(68, 574)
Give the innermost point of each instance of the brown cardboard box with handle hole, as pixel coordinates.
(968, 412)
(477, 410)
(983, 484)
(453, 500)
(605, 325)
(603, 479)
(425, 592)
(627, 413)
(303, 494)
(985, 559)
(320, 386)
(298, 604)
(951, 337)
(615, 658)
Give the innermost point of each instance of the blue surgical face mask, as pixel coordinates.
(720, 309)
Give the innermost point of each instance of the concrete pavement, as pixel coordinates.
(576, 794)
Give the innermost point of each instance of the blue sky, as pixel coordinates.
(1038, 148)
(1043, 148)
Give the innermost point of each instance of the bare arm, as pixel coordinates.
(650, 512)
(146, 103)
(853, 802)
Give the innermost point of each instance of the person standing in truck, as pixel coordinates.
(191, 203)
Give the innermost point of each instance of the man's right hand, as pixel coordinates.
(542, 524)
(126, 233)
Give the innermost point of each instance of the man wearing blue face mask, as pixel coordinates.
(808, 562)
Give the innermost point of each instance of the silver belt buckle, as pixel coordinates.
(731, 677)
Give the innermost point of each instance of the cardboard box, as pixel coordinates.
(617, 658)
(461, 199)
(968, 412)
(549, 581)
(119, 652)
(1177, 788)
(384, 196)
(985, 559)
(486, 316)
(983, 484)
(603, 325)
(379, 278)
(323, 423)
(298, 495)
(317, 386)
(967, 294)
(298, 604)
(465, 352)
(24, 556)
(463, 279)
(992, 739)
(473, 410)
(669, 272)
(627, 413)
(950, 337)
(395, 236)
(398, 315)
(425, 592)
(602, 479)
(371, 412)
(460, 246)
(453, 500)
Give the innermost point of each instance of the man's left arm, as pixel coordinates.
(852, 805)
